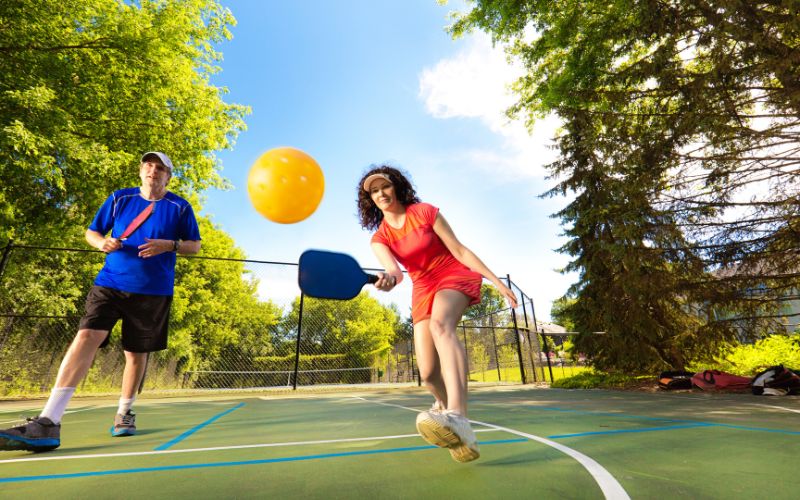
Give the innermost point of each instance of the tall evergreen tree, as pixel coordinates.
(680, 144)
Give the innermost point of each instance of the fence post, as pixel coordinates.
(547, 355)
(466, 349)
(516, 337)
(297, 348)
(414, 372)
(494, 343)
(4, 259)
(528, 332)
(536, 335)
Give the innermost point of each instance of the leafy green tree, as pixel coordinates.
(480, 358)
(559, 312)
(217, 319)
(86, 86)
(491, 302)
(358, 331)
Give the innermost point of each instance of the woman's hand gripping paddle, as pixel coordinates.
(331, 275)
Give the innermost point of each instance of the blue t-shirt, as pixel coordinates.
(172, 219)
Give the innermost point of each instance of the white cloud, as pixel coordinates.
(476, 84)
(510, 234)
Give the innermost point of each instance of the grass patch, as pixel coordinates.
(590, 379)
(512, 374)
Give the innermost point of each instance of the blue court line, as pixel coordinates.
(615, 415)
(197, 428)
(689, 423)
(234, 464)
(621, 431)
(759, 429)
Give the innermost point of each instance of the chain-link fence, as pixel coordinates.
(238, 324)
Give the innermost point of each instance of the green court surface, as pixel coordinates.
(542, 443)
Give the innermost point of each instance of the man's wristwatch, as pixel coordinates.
(176, 245)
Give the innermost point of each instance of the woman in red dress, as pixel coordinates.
(446, 278)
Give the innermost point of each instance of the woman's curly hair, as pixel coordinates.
(369, 214)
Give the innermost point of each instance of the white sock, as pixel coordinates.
(57, 403)
(125, 405)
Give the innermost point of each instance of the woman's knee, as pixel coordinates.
(440, 328)
(428, 377)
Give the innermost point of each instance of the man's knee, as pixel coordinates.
(135, 357)
(90, 338)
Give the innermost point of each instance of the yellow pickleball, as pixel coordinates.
(285, 185)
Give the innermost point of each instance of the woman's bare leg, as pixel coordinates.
(430, 372)
(448, 307)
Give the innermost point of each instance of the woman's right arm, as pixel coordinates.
(393, 274)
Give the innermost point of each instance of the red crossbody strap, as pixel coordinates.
(138, 220)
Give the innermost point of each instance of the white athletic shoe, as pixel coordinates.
(467, 449)
(448, 429)
(435, 428)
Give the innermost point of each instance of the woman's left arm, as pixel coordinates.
(468, 258)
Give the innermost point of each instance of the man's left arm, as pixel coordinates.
(188, 247)
(190, 230)
(187, 228)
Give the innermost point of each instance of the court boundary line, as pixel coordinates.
(68, 412)
(301, 458)
(777, 407)
(215, 448)
(694, 396)
(697, 423)
(607, 483)
(196, 428)
(629, 431)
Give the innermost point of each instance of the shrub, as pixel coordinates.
(750, 359)
(599, 380)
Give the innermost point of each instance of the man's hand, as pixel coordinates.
(110, 245)
(155, 247)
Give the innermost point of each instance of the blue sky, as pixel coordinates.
(358, 82)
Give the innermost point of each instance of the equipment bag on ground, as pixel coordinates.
(776, 381)
(675, 379)
(715, 380)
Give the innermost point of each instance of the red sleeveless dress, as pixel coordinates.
(429, 263)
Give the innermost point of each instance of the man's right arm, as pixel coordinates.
(100, 242)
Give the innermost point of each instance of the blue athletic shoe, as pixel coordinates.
(37, 434)
(124, 425)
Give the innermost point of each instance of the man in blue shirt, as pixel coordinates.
(141, 230)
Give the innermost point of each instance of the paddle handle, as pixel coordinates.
(371, 278)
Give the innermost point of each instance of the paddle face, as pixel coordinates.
(331, 275)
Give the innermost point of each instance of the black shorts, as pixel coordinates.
(145, 318)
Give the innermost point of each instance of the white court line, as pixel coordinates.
(778, 407)
(607, 483)
(66, 412)
(217, 448)
(688, 397)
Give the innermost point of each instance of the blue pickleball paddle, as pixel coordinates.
(331, 275)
